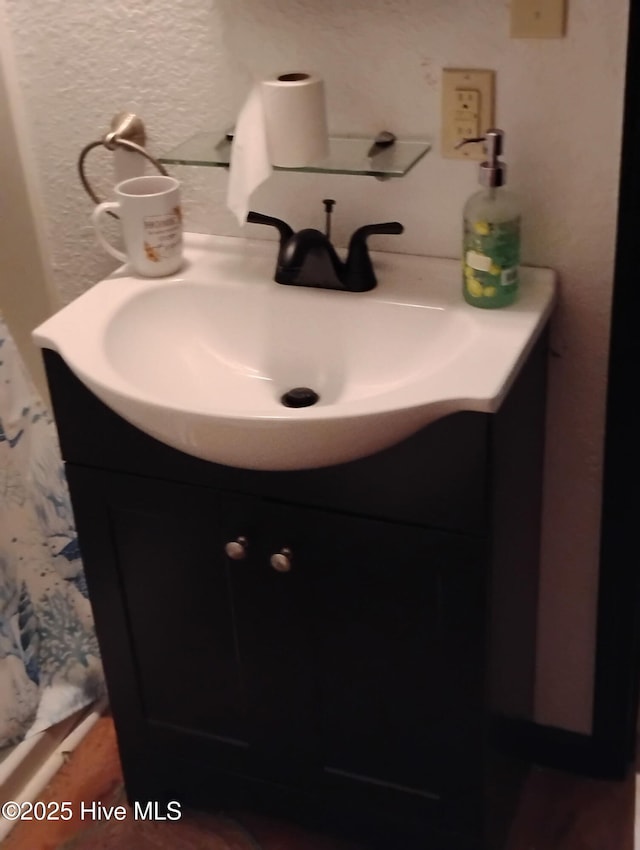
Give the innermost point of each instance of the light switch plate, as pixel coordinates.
(538, 18)
(467, 110)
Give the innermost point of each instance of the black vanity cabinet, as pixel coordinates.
(331, 645)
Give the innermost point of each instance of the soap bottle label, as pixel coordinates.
(491, 258)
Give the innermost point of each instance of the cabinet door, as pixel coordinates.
(162, 546)
(392, 618)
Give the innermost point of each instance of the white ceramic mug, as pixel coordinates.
(151, 219)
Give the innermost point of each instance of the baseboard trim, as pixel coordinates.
(561, 749)
(34, 762)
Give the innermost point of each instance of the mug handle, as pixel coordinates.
(96, 215)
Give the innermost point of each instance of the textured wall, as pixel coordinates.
(187, 66)
(23, 266)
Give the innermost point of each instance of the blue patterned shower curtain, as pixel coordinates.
(49, 660)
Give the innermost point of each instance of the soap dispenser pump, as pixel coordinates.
(491, 240)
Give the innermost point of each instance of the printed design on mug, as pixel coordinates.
(163, 235)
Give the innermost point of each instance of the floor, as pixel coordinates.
(557, 812)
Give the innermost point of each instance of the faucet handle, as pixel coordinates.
(281, 226)
(359, 269)
(369, 229)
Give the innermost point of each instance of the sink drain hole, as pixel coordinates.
(299, 397)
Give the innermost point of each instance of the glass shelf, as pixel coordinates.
(347, 155)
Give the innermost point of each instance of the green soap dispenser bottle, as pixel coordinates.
(491, 241)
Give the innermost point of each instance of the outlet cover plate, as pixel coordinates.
(466, 91)
(538, 18)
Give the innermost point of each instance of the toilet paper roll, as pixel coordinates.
(249, 165)
(295, 119)
(284, 123)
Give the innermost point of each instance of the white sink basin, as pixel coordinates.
(200, 360)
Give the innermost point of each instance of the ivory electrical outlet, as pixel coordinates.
(538, 18)
(467, 110)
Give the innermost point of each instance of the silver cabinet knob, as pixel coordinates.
(237, 549)
(281, 561)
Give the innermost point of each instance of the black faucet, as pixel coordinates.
(307, 258)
